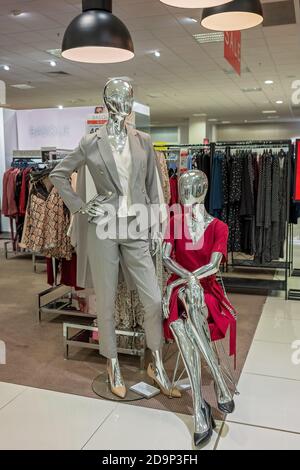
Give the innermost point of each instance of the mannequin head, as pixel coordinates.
(118, 97)
(193, 187)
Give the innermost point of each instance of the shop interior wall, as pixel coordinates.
(266, 131)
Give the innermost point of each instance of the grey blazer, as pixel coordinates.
(94, 151)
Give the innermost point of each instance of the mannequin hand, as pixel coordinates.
(94, 207)
(166, 303)
(155, 243)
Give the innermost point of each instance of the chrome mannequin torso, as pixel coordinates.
(192, 333)
(193, 187)
(118, 97)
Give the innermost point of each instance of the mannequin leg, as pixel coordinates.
(104, 263)
(191, 358)
(196, 309)
(136, 256)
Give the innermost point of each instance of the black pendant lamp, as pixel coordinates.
(234, 16)
(97, 36)
(194, 3)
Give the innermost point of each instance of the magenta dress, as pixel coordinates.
(191, 257)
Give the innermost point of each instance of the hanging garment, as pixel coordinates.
(235, 192)
(221, 313)
(216, 202)
(164, 175)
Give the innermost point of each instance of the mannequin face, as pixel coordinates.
(118, 97)
(193, 186)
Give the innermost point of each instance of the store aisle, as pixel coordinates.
(267, 411)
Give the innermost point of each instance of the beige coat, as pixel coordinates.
(94, 151)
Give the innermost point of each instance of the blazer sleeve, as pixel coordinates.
(60, 177)
(151, 180)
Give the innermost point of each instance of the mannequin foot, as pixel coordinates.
(115, 378)
(204, 425)
(227, 408)
(162, 383)
(225, 401)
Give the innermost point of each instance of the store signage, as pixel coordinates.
(95, 121)
(297, 172)
(232, 49)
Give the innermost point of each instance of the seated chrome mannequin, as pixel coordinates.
(118, 97)
(192, 333)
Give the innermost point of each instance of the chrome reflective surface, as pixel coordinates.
(193, 187)
(197, 314)
(157, 372)
(181, 332)
(115, 378)
(118, 97)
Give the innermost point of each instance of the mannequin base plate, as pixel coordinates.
(131, 376)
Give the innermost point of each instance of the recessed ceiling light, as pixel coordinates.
(269, 82)
(246, 121)
(251, 90)
(200, 114)
(53, 63)
(279, 102)
(273, 117)
(6, 67)
(212, 120)
(269, 111)
(157, 54)
(226, 122)
(22, 86)
(204, 38)
(60, 106)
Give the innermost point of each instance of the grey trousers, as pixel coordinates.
(104, 258)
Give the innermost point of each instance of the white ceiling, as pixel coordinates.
(188, 78)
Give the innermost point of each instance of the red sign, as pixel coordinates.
(297, 173)
(232, 49)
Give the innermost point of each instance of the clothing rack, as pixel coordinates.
(256, 284)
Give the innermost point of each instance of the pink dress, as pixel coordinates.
(193, 256)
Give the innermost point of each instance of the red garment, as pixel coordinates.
(9, 206)
(24, 192)
(174, 190)
(192, 257)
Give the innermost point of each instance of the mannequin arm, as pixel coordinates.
(185, 275)
(171, 264)
(211, 268)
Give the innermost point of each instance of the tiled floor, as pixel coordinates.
(267, 412)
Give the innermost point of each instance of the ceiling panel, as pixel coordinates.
(186, 77)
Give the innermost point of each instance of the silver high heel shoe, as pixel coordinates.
(115, 378)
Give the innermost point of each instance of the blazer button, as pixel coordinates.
(143, 191)
(101, 172)
(109, 193)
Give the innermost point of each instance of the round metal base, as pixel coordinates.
(131, 376)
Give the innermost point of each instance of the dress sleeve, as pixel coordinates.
(221, 239)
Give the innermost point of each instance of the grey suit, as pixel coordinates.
(105, 255)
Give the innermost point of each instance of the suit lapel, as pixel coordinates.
(135, 148)
(107, 156)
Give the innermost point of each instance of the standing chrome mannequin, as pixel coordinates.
(118, 97)
(192, 333)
